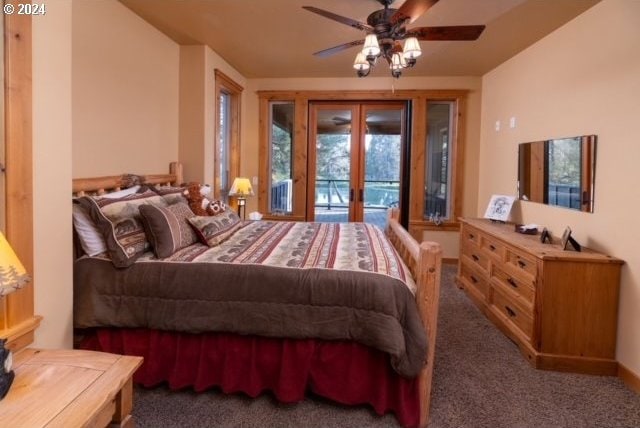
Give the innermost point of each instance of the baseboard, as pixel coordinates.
(631, 379)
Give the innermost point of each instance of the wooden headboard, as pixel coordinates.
(102, 185)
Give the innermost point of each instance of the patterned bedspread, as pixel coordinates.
(345, 246)
(276, 279)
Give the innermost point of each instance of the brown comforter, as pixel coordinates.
(276, 279)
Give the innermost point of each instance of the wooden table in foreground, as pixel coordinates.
(69, 388)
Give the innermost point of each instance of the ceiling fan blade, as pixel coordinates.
(341, 19)
(456, 32)
(411, 10)
(339, 48)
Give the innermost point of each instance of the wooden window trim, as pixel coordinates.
(17, 319)
(224, 84)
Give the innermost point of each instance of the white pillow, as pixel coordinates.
(90, 237)
(120, 193)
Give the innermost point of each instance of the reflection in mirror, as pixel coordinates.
(558, 172)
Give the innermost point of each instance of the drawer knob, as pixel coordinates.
(492, 248)
(522, 264)
(474, 257)
(473, 279)
(510, 311)
(471, 236)
(512, 283)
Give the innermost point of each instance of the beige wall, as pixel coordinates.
(125, 92)
(197, 109)
(53, 292)
(582, 79)
(249, 165)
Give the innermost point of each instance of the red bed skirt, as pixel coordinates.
(345, 372)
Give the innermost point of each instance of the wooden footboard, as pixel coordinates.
(424, 260)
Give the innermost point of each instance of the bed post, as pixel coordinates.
(427, 297)
(424, 261)
(175, 168)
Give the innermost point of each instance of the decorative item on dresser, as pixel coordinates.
(559, 307)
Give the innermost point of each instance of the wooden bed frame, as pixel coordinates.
(423, 260)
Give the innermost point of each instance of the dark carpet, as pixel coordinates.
(481, 380)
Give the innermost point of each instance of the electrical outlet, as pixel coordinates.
(497, 125)
(512, 122)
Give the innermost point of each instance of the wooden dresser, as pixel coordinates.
(69, 388)
(559, 307)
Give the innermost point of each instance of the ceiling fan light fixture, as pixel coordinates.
(397, 64)
(397, 61)
(361, 63)
(371, 46)
(411, 48)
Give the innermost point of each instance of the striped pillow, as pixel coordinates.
(212, 230)
(168, 229)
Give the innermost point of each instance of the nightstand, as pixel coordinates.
(70, 388)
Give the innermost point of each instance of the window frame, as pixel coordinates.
(225, 85)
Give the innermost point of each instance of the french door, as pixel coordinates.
(354, 160)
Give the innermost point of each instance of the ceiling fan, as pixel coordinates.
(386, 28)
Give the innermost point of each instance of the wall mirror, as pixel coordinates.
(559, 172)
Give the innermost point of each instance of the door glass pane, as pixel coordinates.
(333, 165)
(438, 165)
(281, 157)
(383, 139)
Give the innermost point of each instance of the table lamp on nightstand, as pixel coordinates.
(13, 276)
(241, 188)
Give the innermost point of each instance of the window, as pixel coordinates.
(227, 143)
(438, 168)
(281, 157)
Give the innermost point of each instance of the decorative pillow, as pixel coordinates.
(168, 228)
(212, 230)
(119, 222)
(171, 194)
(91, 239)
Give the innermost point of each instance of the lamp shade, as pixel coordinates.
(241, 187)
(13, 275)
(371, 46)
(411, 48)
(361, 63)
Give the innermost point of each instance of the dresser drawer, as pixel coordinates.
(522, 265)
(469, 235)
(520, 318)
(523, 289)
(493, 247)
(475, 281)
(475, 257)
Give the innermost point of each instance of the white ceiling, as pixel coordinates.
(276, 38)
